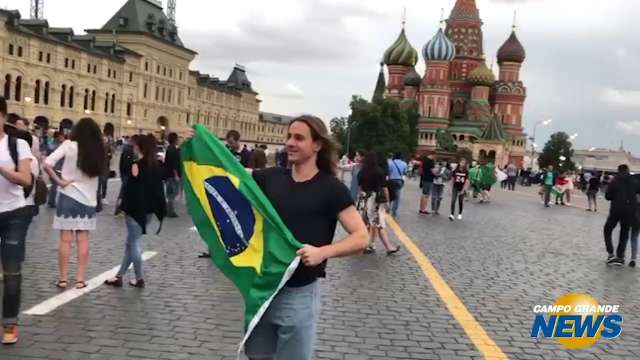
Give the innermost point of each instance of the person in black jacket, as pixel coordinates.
(126, 160)
(622, 194)
(635, 225)
(426, 183)
(172, 174)
(143, 196)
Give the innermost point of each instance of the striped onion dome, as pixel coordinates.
(439, 48)
(481, 76)
(401, 52)
(412, 78)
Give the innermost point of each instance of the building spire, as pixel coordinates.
(404, 17)
(378, 93)
(514, 26)
(441, 18)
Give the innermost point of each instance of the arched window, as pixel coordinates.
(113, 103)
(47, 87)
(128, 108)
(93, 100)
(71, 96)
(461, 138)
(455, 137)
(63, 95)
(85, 104)
(106, 102)
(7, 87)
(36, 93)
(18, 88)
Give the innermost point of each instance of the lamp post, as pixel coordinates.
(533, 138)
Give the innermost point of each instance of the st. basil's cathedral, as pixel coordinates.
(459, 95)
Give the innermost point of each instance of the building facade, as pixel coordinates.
(458, 95)
(132, 73)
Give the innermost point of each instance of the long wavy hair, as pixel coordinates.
(327, 160)
(92, 155)
(148, 146)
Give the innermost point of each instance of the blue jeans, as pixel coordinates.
(53, 192)
(397, 189)
(13, 232)
(436, 196)
(133, 249)
(287, 329)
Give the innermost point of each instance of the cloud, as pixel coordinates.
(626, 98)
(630, 127)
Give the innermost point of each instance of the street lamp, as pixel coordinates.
(27, 99)
(533, 138)
(87, 111)
(573, 137)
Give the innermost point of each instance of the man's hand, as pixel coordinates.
(311, 255)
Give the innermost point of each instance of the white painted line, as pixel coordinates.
(53, 303)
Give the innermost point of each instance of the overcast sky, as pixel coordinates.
(313, 55)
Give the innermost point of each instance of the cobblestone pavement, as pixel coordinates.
(500, 260)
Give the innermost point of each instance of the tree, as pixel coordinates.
(558, 152)
(387, 127)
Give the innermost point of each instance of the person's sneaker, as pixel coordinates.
(10, 335)
(632, 263)
(588, 209)
(451, 217)
(424, 212)
(615, 261)
(460, 217)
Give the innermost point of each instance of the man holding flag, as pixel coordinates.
(257, 240)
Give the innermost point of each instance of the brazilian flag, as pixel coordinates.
(247, 239)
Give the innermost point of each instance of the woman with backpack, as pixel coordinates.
(15, 176)
(84, 161)
(373, 201)
(143, 196)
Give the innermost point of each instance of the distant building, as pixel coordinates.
(605, 160)
(132, 73)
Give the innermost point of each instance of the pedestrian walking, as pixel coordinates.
(397, 170)
(172, 175)
(15, 177)
(58, 139)
(512, 176)
(373, 202)
(459, 187)
(437, 188)
(126, 160)
(287, 330)
(143, 197)
(85, 160)
(426, 184)
(622, 193)
(593, 186)
(355, 170)
(635, 226)
(547, 180)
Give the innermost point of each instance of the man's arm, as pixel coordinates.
(354, 243)
(612, 189)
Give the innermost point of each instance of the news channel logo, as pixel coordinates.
(577, 321)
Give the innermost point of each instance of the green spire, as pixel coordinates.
(378, 93)
(494, 131)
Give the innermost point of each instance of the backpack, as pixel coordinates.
(40, 196)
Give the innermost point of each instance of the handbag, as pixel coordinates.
(41, 191)
(381, 196)
(401, 180)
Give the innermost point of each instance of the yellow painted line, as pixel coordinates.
(474, 331)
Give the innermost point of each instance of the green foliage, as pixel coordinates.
(558, 146)
(389, 127)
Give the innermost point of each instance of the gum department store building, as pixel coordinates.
(133, 73)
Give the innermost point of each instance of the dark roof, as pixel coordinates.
(274, 118)
(59, 36)
(143, 16)
(236, 82)
(512, 50)
(238, 78)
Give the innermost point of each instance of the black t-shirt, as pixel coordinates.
(459, 178)
(309, 209)
(427, 171)
(594, 184)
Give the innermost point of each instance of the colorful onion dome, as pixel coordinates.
(439, 48)
(401, 52)
(481, 76)
(412, 78)
(512, 50)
